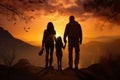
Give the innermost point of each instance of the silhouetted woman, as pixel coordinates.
(48, 42)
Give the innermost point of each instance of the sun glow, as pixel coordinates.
(57, 35)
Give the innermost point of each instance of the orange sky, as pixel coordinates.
(38, 25)
(58, 12)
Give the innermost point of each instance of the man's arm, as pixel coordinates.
(65, 34)
(54, 35)
(80, 34)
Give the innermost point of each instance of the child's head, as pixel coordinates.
(59, 39)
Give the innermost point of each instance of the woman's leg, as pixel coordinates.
(47, 55)
(51, 54)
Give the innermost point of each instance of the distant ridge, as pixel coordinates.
(4, 34)
(7, 38)
(8, 43)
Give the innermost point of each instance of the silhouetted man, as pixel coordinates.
(74, 33)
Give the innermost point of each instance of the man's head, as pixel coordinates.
(72, 18)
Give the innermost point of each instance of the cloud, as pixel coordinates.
(29, 9)
(108, 10)
(20, 7)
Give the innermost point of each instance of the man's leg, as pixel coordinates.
(76, 62)
(70, 56)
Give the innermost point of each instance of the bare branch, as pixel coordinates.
(8, 58)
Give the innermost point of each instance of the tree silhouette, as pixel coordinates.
(8, 58)
(111, 6)
(15, 9)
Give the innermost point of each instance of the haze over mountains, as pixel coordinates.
(93, 51)
(90, 52)
(8, 43)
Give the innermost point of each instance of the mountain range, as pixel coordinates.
(93, 51)
(90, 53)
(9, 45)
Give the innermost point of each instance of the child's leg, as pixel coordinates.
(60, 63)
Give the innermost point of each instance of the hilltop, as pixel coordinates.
(24, 70)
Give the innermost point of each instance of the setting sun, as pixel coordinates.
(57, 35)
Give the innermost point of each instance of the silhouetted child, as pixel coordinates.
(59, 54)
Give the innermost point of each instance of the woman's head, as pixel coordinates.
(50, 26)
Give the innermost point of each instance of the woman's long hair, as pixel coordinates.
(50, 27)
